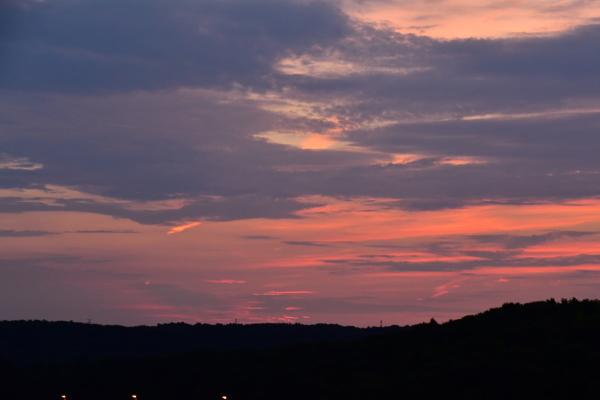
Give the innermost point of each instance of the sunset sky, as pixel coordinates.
(303, 161)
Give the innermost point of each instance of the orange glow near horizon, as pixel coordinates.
(280, 269)
(359, 240)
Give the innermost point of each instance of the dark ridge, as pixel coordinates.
(24, 342)
(541, 350)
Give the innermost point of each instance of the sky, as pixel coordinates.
(311, 161)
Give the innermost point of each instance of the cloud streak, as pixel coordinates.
(306, 243)
(511, 242)
(181, 228)
(12, 233)
(488, 260)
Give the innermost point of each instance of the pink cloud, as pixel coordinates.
(223, 281)
(282, 293)
(181, 228)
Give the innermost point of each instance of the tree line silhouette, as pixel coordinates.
(538, 350)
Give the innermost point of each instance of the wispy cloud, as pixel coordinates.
(489, 260)
(521, 242)
(13, 233)
(182, 228)
(109, 231)
(283, 293)
(307, 243)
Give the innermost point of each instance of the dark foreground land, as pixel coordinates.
(25, 342)
(541, 350)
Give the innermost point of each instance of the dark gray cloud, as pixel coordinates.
(94, 46)
(158, 147)
(519, 139)
(113, 45)
(427, 204)
(375, 256)
(109, 231)
(442, 248)
(155, 143)
(464, 76)
(307, 243)
(490, 259)
(13, 233)
(232, 208)
(520, 242)
(490, 255)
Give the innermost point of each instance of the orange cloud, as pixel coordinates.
(181, 228)
(317, 142)
(482, 18)
(223, 281)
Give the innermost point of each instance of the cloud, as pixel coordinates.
(109, 231)
(7, 162)
(13, 233)
(258, 237)
(164, 112)
(242, 207)
(511, 120)
(272, 293)
(520, 242)
(306, 243)
(463, 77)
(490, 255)
(92, 45)
(181, 228)
(428, 204)
(491, 259)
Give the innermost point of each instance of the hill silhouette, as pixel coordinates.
(540, 350)
(24, 342)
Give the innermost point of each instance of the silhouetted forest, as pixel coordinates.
(23, 342)
(541, 350)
